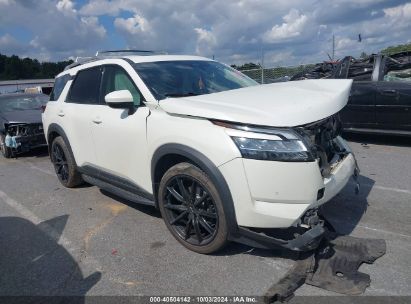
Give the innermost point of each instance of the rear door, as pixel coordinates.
(76, 114)
(393, 102)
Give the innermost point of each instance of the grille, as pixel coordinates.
(320, 136)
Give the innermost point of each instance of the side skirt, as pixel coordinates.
(116, 185)
(127, 195)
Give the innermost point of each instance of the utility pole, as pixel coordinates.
(262, 65)
(333, 48)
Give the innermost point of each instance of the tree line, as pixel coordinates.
(14, 68)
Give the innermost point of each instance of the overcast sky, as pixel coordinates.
(235, 32)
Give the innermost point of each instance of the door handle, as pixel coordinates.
(389, 92)
(61, 114)
(97, 120)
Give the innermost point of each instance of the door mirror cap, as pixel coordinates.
(121, 99)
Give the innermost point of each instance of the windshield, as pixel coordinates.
(22, 102)
(190, 78)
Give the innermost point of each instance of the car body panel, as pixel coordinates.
(279, 104)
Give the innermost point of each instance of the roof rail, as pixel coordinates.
(81, 60)
(112, 54)
(129, 52)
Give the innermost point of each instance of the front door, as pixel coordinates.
(120, 135)
(360, 110)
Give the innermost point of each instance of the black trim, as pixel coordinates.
(115, 181)
(109, 187)
(304, 242)
(210, 169)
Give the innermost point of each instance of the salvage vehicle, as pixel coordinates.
(21, 128)
(380, 99)
(223, 158)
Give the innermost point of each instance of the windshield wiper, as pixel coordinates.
(180, 94)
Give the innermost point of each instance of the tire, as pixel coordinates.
(5, 151)
(64, 164)
(192, 209)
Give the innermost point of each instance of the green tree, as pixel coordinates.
(14, 67)
(396, 49)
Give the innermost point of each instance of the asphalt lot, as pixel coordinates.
(57, 241)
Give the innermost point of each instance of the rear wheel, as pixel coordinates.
(192, 209)
(64, 164)
(5, 151)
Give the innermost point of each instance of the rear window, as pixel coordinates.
(86, 87)
(58, 87)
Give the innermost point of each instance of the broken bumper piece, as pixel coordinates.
(308, 240)
(333, 266)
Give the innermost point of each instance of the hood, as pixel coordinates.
(26, 116)
(285, 104)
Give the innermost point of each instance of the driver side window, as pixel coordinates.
(116, 78)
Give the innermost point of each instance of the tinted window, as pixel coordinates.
(187, 78)
(59, 85)
(114, 79)
(86, 87)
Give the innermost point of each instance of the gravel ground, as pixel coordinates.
(57, 241)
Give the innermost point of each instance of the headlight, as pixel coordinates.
(265, 143)
(279, 150)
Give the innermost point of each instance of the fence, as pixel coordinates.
(276, 74)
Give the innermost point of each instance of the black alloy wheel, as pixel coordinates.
(60, 163)
(192, 208)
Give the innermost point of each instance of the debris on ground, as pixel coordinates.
(333, 266)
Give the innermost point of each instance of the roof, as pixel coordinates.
(93, 61)
(155, 58)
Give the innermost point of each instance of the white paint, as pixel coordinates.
(283, 104)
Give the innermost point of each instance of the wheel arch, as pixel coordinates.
(168, 155)
(54, 131)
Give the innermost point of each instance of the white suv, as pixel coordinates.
(222, 157)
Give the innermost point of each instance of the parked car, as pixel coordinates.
(222, 157)
(380, 99)
(21, 128)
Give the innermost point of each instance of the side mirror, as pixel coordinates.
(121, 99)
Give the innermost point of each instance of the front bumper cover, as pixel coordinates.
(307, 241)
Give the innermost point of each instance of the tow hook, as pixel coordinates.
(332, 266)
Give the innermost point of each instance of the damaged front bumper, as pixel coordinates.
(304, 237)
(24, 137)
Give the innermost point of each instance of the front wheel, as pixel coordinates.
(192, 209)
